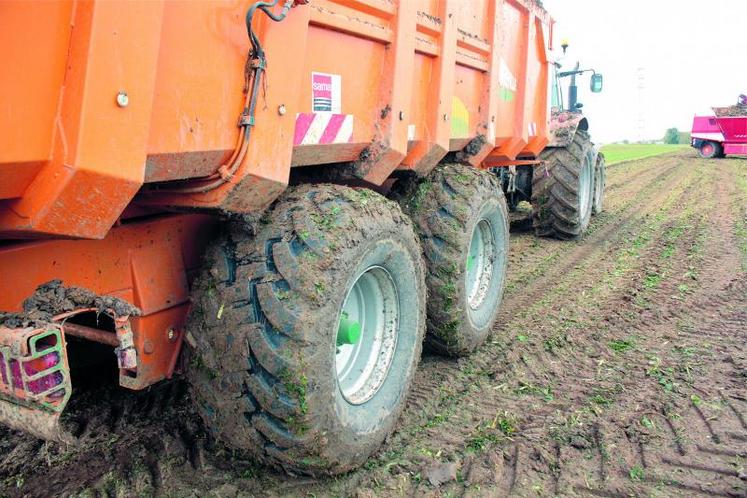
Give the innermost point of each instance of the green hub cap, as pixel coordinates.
(349, 331)
(367, 335)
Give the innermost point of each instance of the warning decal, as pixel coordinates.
(326, 92)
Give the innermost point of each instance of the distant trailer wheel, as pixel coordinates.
(710, 150)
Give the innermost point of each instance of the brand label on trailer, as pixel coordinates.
(326, 92)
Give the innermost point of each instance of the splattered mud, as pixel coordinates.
(618, 367)
(53, 298)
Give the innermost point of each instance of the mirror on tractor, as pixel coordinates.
(596, 82)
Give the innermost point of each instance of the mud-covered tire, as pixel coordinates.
(449, 207)
(710, 150)
(264, 328)
(562, 189)
(600, 182)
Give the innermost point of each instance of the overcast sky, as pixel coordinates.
(690, 54)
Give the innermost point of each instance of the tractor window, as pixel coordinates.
(557, 95)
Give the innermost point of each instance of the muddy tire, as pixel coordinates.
(266, 370)
(600, 182)
(710, 150)
(462, 218)
(562, 189)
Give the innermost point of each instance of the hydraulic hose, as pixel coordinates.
(255, 68)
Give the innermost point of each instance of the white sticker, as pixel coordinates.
(410, 132)
(326, 93)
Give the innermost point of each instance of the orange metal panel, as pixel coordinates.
(389, 145)
(157, 338)
(111, 265)
(419, 77)
(343, 19)
(510, 128)
(431, 99)
(263, 174)
(537, 105)
(98, 154)
(488, 108)
(17, 177)
(34, 40)
(147, 263)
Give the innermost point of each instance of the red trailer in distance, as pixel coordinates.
(722, 134)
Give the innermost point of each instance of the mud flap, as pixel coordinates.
(34, 380)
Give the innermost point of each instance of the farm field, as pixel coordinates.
(618, 367)
(616, 153)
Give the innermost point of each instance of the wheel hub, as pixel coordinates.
(367, 335)
(349, 331)
(479, 264)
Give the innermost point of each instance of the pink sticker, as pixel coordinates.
(321, 89)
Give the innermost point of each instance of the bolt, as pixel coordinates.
(401, 115)
(122, 99)
(281, 109)
(446, 117)
(171, 333)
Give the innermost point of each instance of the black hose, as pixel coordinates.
(258, 64)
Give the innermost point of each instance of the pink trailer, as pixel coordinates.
(716, 136)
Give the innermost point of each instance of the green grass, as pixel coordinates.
(616, 153)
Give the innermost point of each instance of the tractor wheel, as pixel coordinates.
(600, 181)
(306, 336)
(562, 189)
(462, 218)
(710, 150)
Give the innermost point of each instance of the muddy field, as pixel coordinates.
(618, 367)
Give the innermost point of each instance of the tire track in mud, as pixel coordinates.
(424, 392)
(543, 267)
(623, 174)
(721, 257)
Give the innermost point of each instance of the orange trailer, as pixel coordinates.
(136, 136)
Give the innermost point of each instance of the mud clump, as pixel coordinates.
(563, 133)
(731, 111)
(52, 298)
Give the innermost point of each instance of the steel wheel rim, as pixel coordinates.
(584, 188)
(362, 365)
(480, 260)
